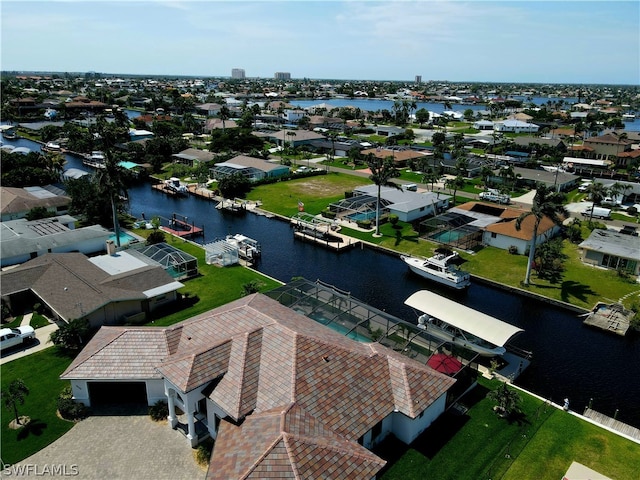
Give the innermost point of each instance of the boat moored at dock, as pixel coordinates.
(460, 325)
(440, 268)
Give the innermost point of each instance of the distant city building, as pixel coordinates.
(282, 76)
(237, 73)
(418, 78)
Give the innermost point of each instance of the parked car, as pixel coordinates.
(12, 337)
(598, 212)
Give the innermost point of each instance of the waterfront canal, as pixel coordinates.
(569, 359)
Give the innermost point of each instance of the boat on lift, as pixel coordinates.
(248, 248)
(460, 325)
(439, 268)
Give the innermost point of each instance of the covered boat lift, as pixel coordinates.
(478, 324)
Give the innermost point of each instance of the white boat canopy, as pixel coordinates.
(476, 323)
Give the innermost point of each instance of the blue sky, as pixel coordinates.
(501, 41)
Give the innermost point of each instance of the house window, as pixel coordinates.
(494, 235)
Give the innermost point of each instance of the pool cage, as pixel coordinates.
(178, 264)
(452, 229)
(359, 207)
(345, 314)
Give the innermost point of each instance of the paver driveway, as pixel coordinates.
(115, 447)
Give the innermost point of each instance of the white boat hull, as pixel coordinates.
(449, 279)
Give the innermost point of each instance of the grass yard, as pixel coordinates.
(215, 286)
(315, 192)
(581, 284)
(40, 372)
(540, 444)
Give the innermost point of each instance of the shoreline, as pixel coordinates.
(487, 281)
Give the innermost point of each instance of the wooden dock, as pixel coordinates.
(612, 423)
(613, 318)
(161, 187)
(180, 228)
(336, 242)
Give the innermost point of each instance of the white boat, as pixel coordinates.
(52, 147)
(628, 117)
(95, 159)
(248, 248)
(452, 322)
(439, 268)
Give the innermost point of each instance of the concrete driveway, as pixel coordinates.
(41, 342)
(119, 447)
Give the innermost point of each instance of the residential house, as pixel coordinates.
(253, 168)
(17, 202)
(483, 125)
(107, 289)
(613, 250)
(495, 224)
(401, 156)
(515, 126)
(209, 109)
(217, 124)
(529, 177)
(280, 393)
(389, 131)
(608, 146)
(533, 142)
(292, 138)
(407, 205)
(22, 240)
(193, 157)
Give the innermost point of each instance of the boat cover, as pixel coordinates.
(476, 323)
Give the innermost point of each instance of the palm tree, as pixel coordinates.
(454, 184)
(14, 395)
(110, 181)
(546, 203)
(618, 188)
(290, 134)
(507, 399)
(597, 192)
(381, 172)
(224, 115)
(486, 173)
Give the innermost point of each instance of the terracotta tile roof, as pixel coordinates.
(120, 353)
(303, 393)
(508, 228)
(288, 443)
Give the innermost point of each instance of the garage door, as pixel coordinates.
(104, 393)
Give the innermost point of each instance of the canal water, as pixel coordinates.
(569, 359)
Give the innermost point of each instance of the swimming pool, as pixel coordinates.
(362, 216)
(125, 239)
(448, 236)
(336, 327)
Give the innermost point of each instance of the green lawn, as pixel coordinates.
(581, 284)
(215, 286)
(540, 444)
(315, 192)
(40, 372)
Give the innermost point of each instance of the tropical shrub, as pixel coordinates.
(68, 408)
(159, 411)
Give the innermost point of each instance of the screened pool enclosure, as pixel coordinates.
(178, 264)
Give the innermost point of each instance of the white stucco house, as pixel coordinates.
(407, 205)
(264, 381)
(515, 126)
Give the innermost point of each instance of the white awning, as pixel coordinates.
(476, 323)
